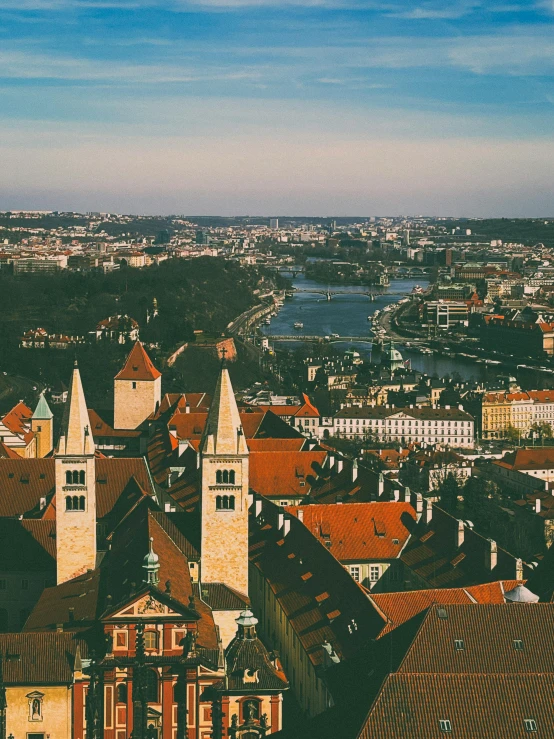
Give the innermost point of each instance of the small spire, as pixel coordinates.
(247, 625)
(42, 411)
(151, 566)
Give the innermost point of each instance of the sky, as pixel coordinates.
(278, 107)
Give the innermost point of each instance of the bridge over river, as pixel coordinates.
(300, 337)
(330, 293)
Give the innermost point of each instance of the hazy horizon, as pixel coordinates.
(227, 106)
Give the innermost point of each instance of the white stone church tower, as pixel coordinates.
(224, 482)
(75, 488)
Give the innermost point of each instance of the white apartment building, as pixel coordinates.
(445, 426)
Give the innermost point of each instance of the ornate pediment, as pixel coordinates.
(146, 605)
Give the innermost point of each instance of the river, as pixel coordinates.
(347, 315)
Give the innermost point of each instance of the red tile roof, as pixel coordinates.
(24, 482)
(483, 706)
(487, 633)
(40, 659)
(138, 366)
(360, 531)
(282, 474)
(275, 445)
(320, 607)
(18, 421)
(402, 606)
(307, 410)
(529, 459)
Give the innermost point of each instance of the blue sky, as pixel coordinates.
(258, 106)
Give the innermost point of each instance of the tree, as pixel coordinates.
(512, 434)
(541, 430)
(476, 492)
(448, 491)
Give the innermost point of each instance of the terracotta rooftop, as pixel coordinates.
(40, 659)
(318, 596)
(17, 420)
(360, 531)
(138, 366)
(433, 555)
(284, 474)
(484, 706)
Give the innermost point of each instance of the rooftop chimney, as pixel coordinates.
(354, 470)
(280, 520)
(460, 534)
(538, 505)
(331, 459)
(419, 504)
(491, 556)
(187, 408)
(300, 514)
(381, 485)
(286, 526)
(428, 511)
(407, 495)
(519, 569)
(258, 507)
(339, 465)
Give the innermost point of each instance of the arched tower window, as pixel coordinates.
(122, 693)
(225, 477)
(68, 477)
(218, 477)
(232, 477)
(232, 502)
(151, 685)
(82, 503)
(218, 503)
(68, 502)
(81, 477)
(225, 502)
(75, 477)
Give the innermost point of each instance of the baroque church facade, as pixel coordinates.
(145, 627)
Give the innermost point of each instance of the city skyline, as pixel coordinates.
(240, 106)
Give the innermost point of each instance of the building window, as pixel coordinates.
(225, 502)
(75, 502)
(122, 693)
(355, 573)
(374, 573)
(120, 640)
(445, 725)
(151, 685)
(530, 724)
(134, 385)
(75, 477)
(151, 639)
(225, 477)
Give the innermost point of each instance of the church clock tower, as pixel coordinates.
(224, 482)
(75, 488)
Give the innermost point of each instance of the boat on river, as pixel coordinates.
(298, 325)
